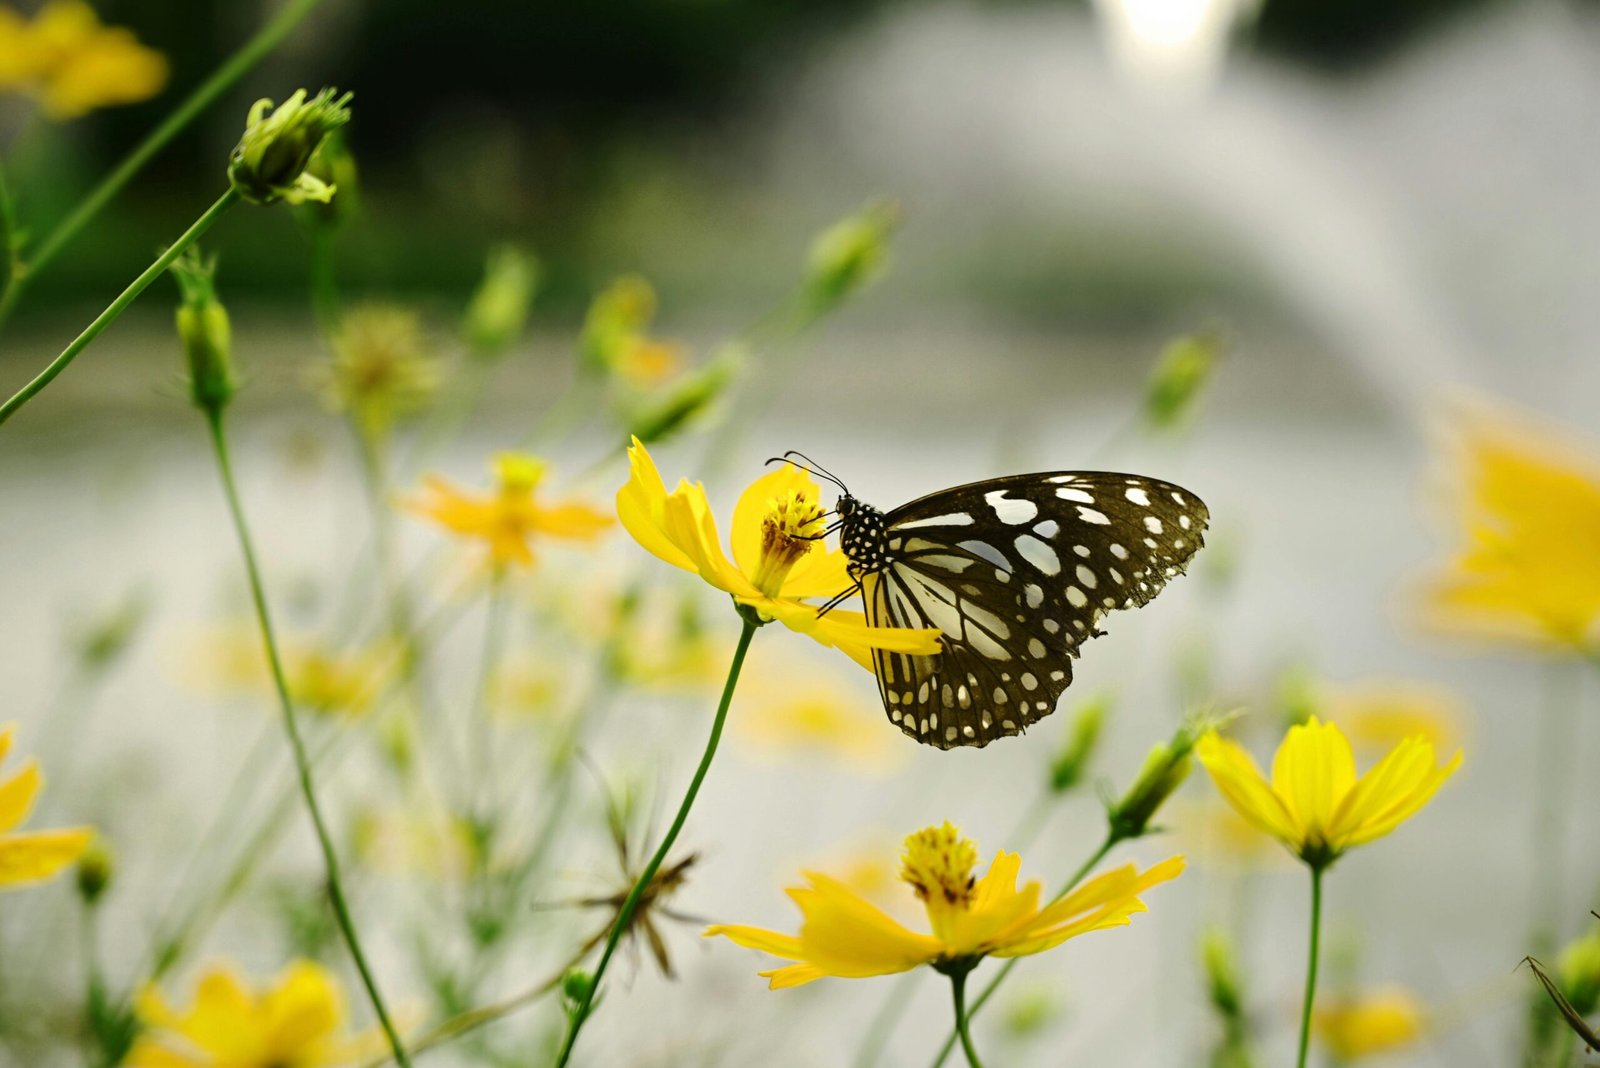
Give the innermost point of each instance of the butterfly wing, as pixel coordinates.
(1017, 572)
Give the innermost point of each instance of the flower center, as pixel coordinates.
(938, 864)
(518, 473)
(793, 524)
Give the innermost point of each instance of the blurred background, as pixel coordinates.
(1380, 206)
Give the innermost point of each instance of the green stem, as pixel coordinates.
(1311, 965)
(1111, 839)
(291, 725)
(494, 632)
(118, 306)
(222, 79)
(1552, 807)
(958, 987)
(580, 1012)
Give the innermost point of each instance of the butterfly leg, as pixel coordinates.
(835, 602)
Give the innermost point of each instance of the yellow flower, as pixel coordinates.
(648, 361)
(403, 841)
(510, 517)
(812, 713)
(1315, 804)
(1381, 713)
(1526, 570)
(72, 63)
(845, 935)
(380, 370)
(778, 559)
(30, 856)
(296, 1023)
(1372, 1023)
(320, 679)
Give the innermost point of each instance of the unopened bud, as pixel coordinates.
(850, 254)
(95, 869)
(1182, 372)
(620, 312)
(499, 307)
(1219, 958)
(688, 398)
(575, 986)
(1579, 968)
(269, 163)
(206, 333)
(1072, 764)
(1163, 772)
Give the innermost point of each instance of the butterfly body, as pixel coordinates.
(1016, 572)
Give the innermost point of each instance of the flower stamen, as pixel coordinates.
(938, 864)
(789, 530)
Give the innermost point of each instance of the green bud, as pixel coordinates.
(499, 308)
(1070, 766)
(688, 398)
(95, 870)
(1163, 772)
(575, 986)
(205, 331)
(1579, 968)
(850, 254)
(1182, 372)
(621, 311)
(1218, 956)
(269, 163)
(1299, 696)
(1033, 1009)
(105, 639)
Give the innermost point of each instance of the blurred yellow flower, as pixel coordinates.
(298, 1022)
(1529, 520)
(381, 368)
(1314, 803)
(778, 558)
(786, 716)
(320, 679)
(845, 935)
(72, 63)
(1371, 1023)
(1220, 835)
(510, 517)
(1382, 713)
(402, 841)
(30, 856)
(648, 361)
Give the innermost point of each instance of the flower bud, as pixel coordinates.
(1217, 955)
(1182, 372)
(1069, 767)
(850, 254)
(206, 333)
(95, 869)
(104, 639)
(498, 309)
(1163, 772)
(575, 986)
(621, 311)
(269, 163)
(1579, 968)
(688, 398)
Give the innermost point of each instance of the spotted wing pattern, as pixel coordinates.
(1016, 572)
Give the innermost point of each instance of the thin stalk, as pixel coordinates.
(1552, 810)
(291, 725)
(120, 305)
(1311, 965)
(221, 80)
(479, 768)
(958, 989)
(1111, 839)
(580, 1012)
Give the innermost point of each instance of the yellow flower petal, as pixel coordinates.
(1313, 770)
(1241, 783)
(642, 508)
(846, 935)
(17, 794)
(774, 942)
(36, 855)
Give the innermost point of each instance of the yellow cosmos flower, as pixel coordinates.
(1529, 519)
(809, 713)
(1382, 713)
(1314, 803)
(72, 63)
(381, 369)
(510, 517)
(30, 856)
(298, 1022)
(321, 680)
(845, 935)
(778, 557)
(1373, 1023)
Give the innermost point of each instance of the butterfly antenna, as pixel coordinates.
(811, 465)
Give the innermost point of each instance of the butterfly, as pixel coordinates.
(1016, 572)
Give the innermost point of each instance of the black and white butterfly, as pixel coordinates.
(1016, 572)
